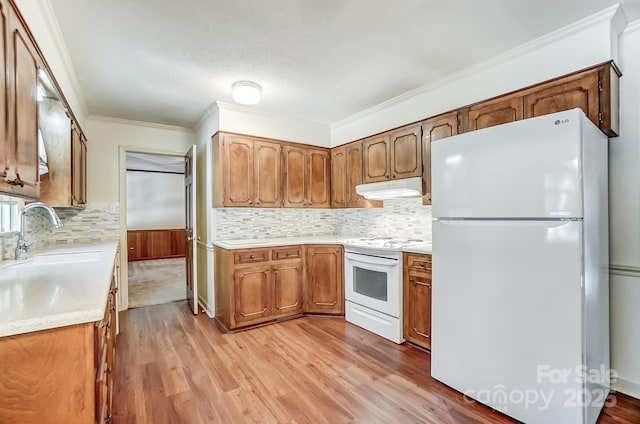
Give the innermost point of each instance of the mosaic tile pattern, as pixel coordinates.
(398, 218)
(97, 222)
(247, 223)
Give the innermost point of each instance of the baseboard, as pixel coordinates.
(627, 387)
(206, 307)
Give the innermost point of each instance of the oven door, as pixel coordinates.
(373, 282)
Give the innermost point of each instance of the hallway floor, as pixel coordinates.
(156, 282)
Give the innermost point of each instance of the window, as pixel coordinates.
(9, 217)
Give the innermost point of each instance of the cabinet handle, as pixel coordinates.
(393, 176)
(411, 279)
(257, 202)
(131, 248)
(422, 284)
(250, 202)
(107, 418)
(16, 182)
(252, 256)
(107, 371)
(421, 333)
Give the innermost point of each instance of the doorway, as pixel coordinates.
(155, 204)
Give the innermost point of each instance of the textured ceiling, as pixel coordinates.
(166, 61)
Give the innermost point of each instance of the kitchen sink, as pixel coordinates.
(54, 259)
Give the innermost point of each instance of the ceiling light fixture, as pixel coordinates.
(246, 92)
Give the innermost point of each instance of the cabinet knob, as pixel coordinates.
(257, 202)
(411, 279)
(250, 202)
(252, 256)
(393, 176)
(131, 248)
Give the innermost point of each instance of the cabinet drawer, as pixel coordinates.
(250, 256)
(288, 252)
(421, 262)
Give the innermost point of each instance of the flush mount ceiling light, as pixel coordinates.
(246, 92)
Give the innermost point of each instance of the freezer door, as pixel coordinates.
(506, 315)
(525, 169)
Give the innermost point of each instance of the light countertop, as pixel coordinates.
(55, 288)
(286, 241)
(281, 241)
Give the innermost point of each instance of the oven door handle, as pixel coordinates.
(373, 260)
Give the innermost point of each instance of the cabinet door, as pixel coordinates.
(23, 109)
(338, 177)
(580, 91)
(417, 308)
(488, 114)
(267, 174)
(287, 288)
(406, 152)
(353, 175)
(433, 129)
(295, 170)
(376, 159)
(252, 294)
(77, 167)
(325, 280)
(5, 163)
(238, 171)
(319, 178)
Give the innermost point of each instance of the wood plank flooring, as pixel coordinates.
(173, 367)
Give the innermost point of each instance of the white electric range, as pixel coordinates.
(373, 284)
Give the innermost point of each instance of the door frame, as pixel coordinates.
(123, 290)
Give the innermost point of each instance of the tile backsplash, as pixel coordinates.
(246, 223)
(405, 218)
(97, 221)
(401, 218)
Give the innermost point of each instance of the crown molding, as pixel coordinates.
(49, 16)
(632, 27)
(535, 44)
(112, 120)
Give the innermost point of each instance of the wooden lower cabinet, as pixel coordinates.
(417, 299)
(156, 244)
(324, 289)
(253, 286)
(61, 375)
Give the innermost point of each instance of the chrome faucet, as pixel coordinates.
(22, 248)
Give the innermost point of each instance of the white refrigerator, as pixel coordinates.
(520, 268)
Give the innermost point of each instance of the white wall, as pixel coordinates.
(105, 138)
(155, 201)
(581, 45)
(244, 120)
(624, 203)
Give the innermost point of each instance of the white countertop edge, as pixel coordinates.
(51, 322)
(289, 241)
(93, 312)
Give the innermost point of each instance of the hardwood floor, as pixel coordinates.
(156, 281)
(173, 367)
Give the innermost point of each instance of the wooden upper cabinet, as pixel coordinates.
(307, 177)
(501, 111)
(376, 159)
(5, 162)
(338, 177)
(406, 152)
(580, 90)
(433, 129)
(78, 168)
(295, 165)
(267, 174)
(237, 170)
(319, 178)
(20, 114)
(353, 171)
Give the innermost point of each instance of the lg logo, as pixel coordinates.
(561, 121)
